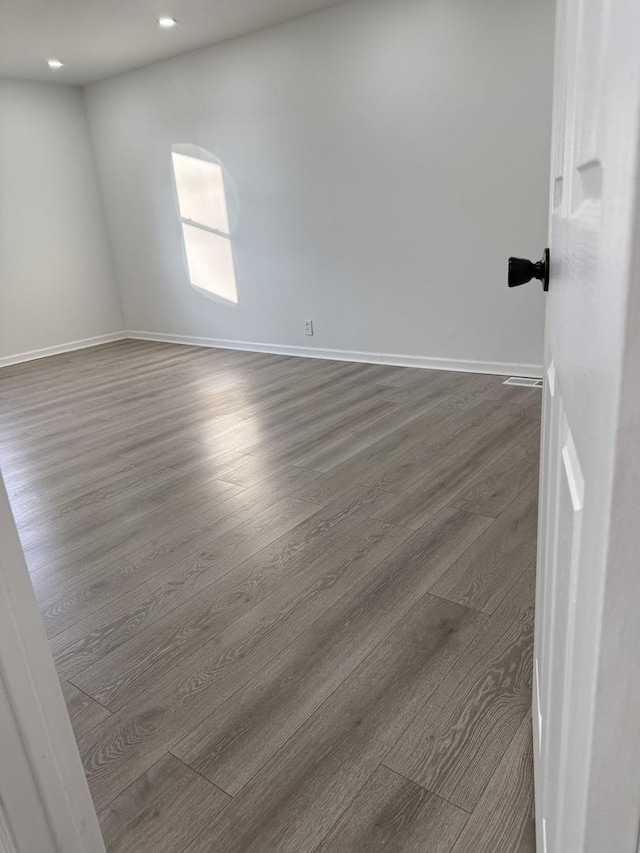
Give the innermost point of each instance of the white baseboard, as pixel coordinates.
(498, 368)
(493, 367)
(60, 348)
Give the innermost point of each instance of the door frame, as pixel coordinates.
(45, 803)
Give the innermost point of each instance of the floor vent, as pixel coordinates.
(524, 382)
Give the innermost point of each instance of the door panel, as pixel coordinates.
(587, 777)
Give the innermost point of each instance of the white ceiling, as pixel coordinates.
(100, 38)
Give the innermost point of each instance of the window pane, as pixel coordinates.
(200, 187)
(210, 262)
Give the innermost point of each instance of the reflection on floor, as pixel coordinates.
(290, 600)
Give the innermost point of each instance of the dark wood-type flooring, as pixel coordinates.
(290, 600)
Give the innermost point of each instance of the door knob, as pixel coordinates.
(521, 271)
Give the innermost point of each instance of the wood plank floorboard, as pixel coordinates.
(392, 813)
(233, 744)
(175, 491)
(487, 570)
(456, 742)
(290, 600)
(190, 624)
(162, 811)
(504, 817)
(96, 638)
(155, 720)
(292, 803)
(377, 463)
(94, 589)
(434, 490)
(64, 566)
(496, 486)
(85, 713)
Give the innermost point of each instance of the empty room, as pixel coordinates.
(319, 426)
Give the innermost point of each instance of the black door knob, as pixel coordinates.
(521, 271)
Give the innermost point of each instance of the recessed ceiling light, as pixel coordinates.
(167, 23)
(55, 64)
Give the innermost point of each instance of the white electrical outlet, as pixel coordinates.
(308, 327)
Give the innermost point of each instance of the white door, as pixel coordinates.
(587, 653)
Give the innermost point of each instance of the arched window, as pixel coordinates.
(202, 204)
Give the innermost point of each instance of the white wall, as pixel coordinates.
(389, 155)
(57, 281)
